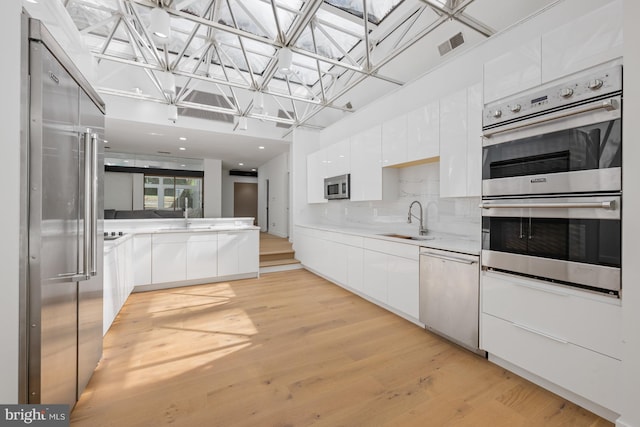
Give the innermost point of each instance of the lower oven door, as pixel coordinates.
(570, 240)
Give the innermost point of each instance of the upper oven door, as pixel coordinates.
(573, 150)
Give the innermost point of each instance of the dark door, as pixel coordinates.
(245, 200)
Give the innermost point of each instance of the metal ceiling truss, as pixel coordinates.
(220, 56)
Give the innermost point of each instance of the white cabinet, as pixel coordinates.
(316, 173)
(169, 257)
(366, 168)
(461, 143)
(394, 141)
(141, 259)
(202, 255)
(578, 333)
(355, 268)
(474, 140)
(237, 252)
(375, 275)
(513, 71)
(403, 285)
(589, 40)
(118, 279)
(391, 275)
(338, 156)
(423, 132)
(453, 145)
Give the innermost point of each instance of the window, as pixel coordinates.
(174, 194)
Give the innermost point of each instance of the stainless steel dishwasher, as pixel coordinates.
(449, 295)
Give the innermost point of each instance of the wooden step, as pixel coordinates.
(279, 262)
(276, 255)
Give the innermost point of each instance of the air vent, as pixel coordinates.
(206, 98)
(237, 172)
(451, 44)
(283, 115)
(163, 152)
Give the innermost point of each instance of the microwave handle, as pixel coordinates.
(607, 104)
(609, 204)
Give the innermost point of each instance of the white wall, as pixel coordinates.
(10, 216)
(631, 223)
(277, 172)
(228, 191)
(212, 188)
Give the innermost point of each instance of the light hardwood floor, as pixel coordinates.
(291, 349)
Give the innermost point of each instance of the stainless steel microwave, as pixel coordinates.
(337, 187)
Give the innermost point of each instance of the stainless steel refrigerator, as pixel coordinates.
(62, 223)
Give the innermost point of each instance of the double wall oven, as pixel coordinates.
(552, 188)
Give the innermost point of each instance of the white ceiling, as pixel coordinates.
(402, 47)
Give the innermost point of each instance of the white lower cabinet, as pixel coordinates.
(568, 337)
(403, 285)
(355, 269)
(238, 252)
(375, 275)
(169, 257)
(118, 280)
(202, 255)
(141, 259)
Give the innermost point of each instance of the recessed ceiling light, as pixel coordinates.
(155, 134)
(183, 165)
(253, 170)
(32, 1)
(182, 138)
(240, 164)
(182, 148)
(261, 147)
(105, 141)
(126, 161)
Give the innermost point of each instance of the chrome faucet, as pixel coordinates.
(422, 230)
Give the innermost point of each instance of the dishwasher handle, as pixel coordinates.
(449, 257)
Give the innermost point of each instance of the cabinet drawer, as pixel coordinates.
(392, 248)
(584, 321)
(203, 237)
(584, 372)
(348, 239)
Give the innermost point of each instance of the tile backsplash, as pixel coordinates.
(457, 216)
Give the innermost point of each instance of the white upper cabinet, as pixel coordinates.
(461, 143)
(453, 145)
(474, 140)
(316, 173)
(338, 158)
(584, 42)
(366, 169)
(513, 71)
(394, 141)
(423, 132)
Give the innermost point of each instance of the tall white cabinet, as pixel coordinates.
(366, 170)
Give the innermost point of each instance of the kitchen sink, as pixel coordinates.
(407, 237)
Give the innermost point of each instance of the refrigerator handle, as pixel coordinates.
(86, 238)
(94, 205)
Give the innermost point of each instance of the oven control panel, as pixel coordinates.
(575, 90)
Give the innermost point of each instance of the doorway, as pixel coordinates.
(245, 200)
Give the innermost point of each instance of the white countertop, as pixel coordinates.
(442, 241)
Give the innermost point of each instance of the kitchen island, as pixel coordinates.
(143, 255)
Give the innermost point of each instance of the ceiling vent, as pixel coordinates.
(237, 172)
(283, 115)
(206, 98)
(451, 44)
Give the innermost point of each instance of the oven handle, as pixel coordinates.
(609, 205)
(607, 104)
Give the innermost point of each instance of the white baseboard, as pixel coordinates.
(181, 283)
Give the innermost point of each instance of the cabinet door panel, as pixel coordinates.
(582, 43)
(453, 145)
(403, 287)
(513, 71)
(227, 254)
(249, 252)
(202, 256)
(394, 141)
(316, 173)
(169, 262)
(474, 140)
(366, 169)
(142, 259)
(338, 158)
(375, 275)
(355, 271)
(423, 133)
